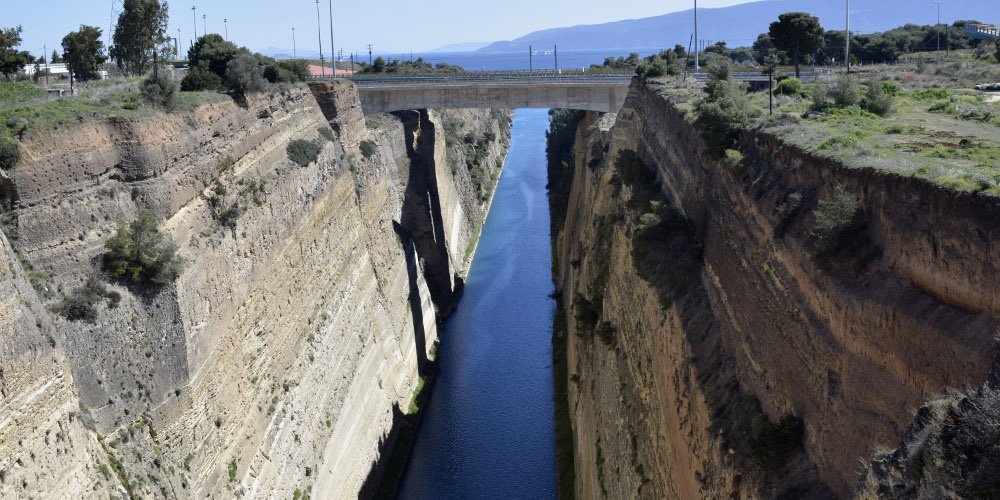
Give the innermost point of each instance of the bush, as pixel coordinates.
(368, 148)
(846, 92)
(243, 75)
(10, 153)
(327, 132)
(160, 91)
(892, 88)
(302, 152)
(791, 87)
(723, 114)
(877, 100)
(276, 74)
(141, 255)
(837, 219)
(81, 304)
(297, 67)
(201, 78)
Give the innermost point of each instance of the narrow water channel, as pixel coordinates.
(487, 430)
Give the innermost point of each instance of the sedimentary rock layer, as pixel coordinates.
(697, 350)
(300, 320)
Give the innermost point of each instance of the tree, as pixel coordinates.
(725, 111)
(83, 52)
(215, 52)
(798, 34)
(140, 35)
(201, 78)
(140, 254)
(379, 65)
(12, 61)
(56, 58)
(244, 75)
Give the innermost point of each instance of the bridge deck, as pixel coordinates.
(604, 93)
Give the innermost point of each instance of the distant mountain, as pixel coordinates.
(461, 47)
(739, 25)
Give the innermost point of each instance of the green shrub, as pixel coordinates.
(734, 161)
(130, 106)
(243, 75)
(846, 92)
(791, 87)
(666, 252)
(303, 152)
(81, 304)
(877, 100)
(201, 78)
(10, 153)
(723, 115)
(160, 91)
(946, 107)
(274, 73)
(932, 94)
(141, 255)
(892, 88)
(327, 133)
(368, 148)
(297, 67)
(838, 219)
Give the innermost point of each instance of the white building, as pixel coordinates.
(58, 70)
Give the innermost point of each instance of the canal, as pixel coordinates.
(487, 430)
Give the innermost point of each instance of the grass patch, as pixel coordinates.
(418, 396)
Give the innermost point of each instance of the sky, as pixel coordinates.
(393, 26)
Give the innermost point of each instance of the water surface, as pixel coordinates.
(487, 429)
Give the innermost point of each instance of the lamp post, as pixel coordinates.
(333, 54)
(225, 23)
(194, 15)
(204, 23)
(294, 49)
(847, 36)
(319, 35)
(939, 4)
(696, 42)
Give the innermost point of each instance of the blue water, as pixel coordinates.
(487, 430)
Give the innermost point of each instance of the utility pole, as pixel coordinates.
(555, 53)
(177, 46)
(531, 54)
(225, 23)
(370, 46)
(319, 35)
(194, 15)
(333, 53)
(204, 23)
(847, 35)
(45, 52)
(294, 48)
(696, 65)
(939, 4)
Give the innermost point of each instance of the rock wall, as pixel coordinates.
(299, 322)
(715, 349)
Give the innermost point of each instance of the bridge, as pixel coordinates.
(982, 31)
(588, 92)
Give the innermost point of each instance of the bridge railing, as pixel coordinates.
(489, 77)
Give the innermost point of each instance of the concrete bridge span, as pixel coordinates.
(603, 93)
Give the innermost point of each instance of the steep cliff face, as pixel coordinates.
(756, 327)
(301, 318)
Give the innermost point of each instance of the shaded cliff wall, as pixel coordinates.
(275, 360)
(698, 349)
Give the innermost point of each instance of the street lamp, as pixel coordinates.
(194, 15)
(333, 54)
(319, 35)
(939, 4)
(225, 23)
(204, 23)
(294, 49)
(696, 65)
(847, 36)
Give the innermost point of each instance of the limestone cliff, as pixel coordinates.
(724, 340)
(308, 300)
